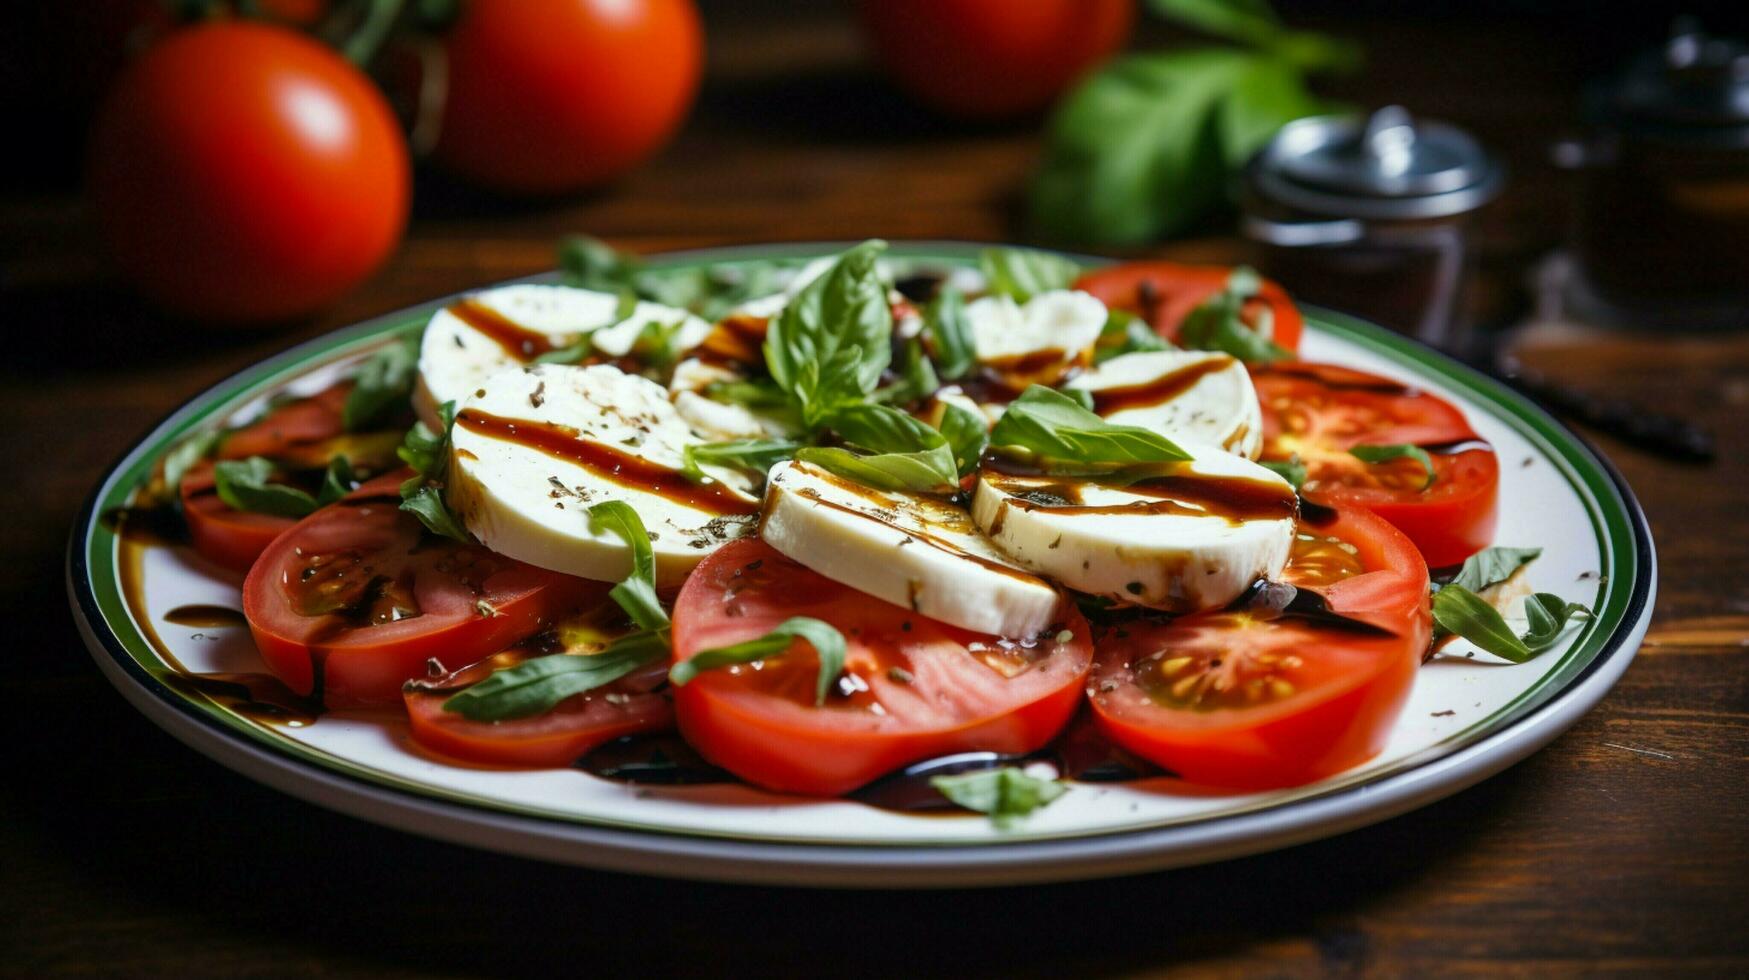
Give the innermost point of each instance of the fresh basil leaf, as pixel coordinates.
(833, 338)
(1292, 469)
(590, 263)
(537, 686)
(827, 642)
(752, 455)
(917, 378)
(425, 502)
(948, 334)
(1218, 324)
(339, 481)
(182, 458)
(246, 485)
(1053, 432)
(427, 452)
(1130, 154)
(1458, 610)
(1547, 615)
(928, 471)
(1384, 454)
(966, 433)
(1146, 147)
(636, 594)
(1126, 333)
(882, 429)
(1491, 566)
(758, 393)
(710, 291)
(1007, 794)
(583, 346)
(655, 343)
(1022, 273)
(381, 384)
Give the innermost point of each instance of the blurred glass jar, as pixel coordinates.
(1661, 229)
(1372, 215)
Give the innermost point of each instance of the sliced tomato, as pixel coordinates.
(629, 706)
(354, 600)
(1252, 700)
(913, 688)
(1320, 412)
(232, 538)
(293, 424)
(1164, 293)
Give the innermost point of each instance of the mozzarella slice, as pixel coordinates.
(533, 449)
(1194, 538)
(1201, 396)
(910, 550)
(480, 335)
(711, 420)
(1039, 342)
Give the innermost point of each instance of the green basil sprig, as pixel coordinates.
(1218, 325)
(711, 292)
(427, 452)
(1022, 273)
(751, 455)
(1051, 431)
(1384, 454)
(1126, 333)
(917, 378)
(247, 485)
(905, 453)
(833, 339)
(827, 642)
(536, 686)
(636, 593)
(1458, 610)
(381, 384)
(948, 333)
(1007, 794)
(966, 433)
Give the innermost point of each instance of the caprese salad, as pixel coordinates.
(831, 521)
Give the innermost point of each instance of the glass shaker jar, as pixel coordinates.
(1371, 215)
(1661, 230)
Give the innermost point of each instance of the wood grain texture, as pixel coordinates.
(1619, 850)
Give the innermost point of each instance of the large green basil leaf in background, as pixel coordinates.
(1145, 147)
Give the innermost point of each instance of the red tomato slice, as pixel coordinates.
(1164, 293)
(913, 688)
(295, 423)
(231, 538)
(357, 597)
(557, 738)
(1238, 700)
(1320, 412)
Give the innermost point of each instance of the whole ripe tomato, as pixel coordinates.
(993, 58)
(242, 171)
(548, 96)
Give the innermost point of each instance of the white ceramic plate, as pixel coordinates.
(1466, 719)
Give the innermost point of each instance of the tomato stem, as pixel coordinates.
(373, 29)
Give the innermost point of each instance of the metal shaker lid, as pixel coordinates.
(1386, 166)
(1694, 89)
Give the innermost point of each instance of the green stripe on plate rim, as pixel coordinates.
(1609, 514)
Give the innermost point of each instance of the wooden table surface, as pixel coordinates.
(1621, 848)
